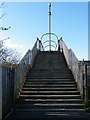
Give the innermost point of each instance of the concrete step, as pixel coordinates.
(50, 106)
(49, 114)
(51, 96)
(49, 92)
(58, 66)
(57, 71)
(56, 100)
(49, 73)
(49, 69)
(44, 70)
(50, 77)
(50, 89)
(49, 82)
(50, 110)
(50, 85)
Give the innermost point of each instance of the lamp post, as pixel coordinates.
(49, 26)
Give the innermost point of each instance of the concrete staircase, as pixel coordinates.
(49, 92)
(51, 84)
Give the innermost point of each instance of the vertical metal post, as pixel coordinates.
(86, 91)
(49, 26)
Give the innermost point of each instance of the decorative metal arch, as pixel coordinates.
(50, 41)
(51, 45)
(48, 34)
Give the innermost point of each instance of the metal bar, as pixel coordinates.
(49, 26)
(49, 33)
(51, 42)
(86, 97)
(51, 45)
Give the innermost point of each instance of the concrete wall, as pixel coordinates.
(0, 92)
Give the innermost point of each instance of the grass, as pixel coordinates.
(89, 92)
(87, 104)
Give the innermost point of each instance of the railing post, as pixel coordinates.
(59, 45)
(38, 44)
(82, 68)
(83, 86)
(86, 85)
(60, 42)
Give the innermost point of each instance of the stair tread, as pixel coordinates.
(50, 92)
(49, 82)
(50, 79)
(53, 88)
(50, 95)
(53, 109)
(50, 104)
(55, 100)
(51, 85)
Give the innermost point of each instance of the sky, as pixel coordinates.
(29, 20)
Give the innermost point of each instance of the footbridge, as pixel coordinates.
(48, 83)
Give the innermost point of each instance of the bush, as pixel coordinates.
(87, 106)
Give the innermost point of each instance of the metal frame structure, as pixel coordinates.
(49, 41)
(49, 34)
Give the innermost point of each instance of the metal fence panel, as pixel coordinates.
(88, 79)
(0, 92)
(8, 77)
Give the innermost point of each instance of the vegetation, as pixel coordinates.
(7, 56)
(87, 104)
